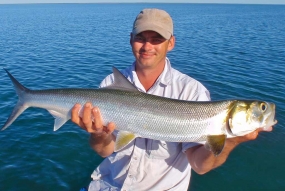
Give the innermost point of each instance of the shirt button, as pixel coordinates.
(130, 176)
(135, 158)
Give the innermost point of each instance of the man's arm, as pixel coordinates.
(203, 160)
(101, 137)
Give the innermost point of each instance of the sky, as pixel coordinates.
(145, 1)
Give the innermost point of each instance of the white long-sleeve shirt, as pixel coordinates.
(147, 164)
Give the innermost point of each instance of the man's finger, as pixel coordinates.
(86, 118)
(74, 113)
(75, 118)
(110, 128)
(251, 136)
(266, 129)
(98, 123)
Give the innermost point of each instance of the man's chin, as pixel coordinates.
(146, 62)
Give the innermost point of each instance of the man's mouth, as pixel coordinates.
(146, 55)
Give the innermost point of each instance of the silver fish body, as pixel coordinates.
(138, 114)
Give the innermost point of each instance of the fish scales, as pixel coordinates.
(152, 117)
(138, 114)
(144, 114)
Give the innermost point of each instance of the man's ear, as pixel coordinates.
(131, 39)
(171, 43)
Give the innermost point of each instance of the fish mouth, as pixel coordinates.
(273, 119)
(270, 120)
(269, 126)
(274, 122)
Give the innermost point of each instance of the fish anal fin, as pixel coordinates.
(59, 120)
(215, 143)
(123, 139)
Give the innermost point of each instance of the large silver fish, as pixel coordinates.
(138, 114)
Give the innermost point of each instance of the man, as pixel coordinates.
(150, 164)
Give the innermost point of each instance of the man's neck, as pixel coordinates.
(148, 76)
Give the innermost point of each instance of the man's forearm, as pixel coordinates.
(203, 160)
(102, 144)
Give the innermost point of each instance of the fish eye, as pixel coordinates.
(263, 106)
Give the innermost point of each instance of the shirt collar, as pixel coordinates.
(164, 78)
(166, 75)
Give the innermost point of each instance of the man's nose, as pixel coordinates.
(147, 45)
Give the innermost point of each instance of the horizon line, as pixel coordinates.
(141, 3)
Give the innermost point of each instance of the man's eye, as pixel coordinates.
(157, 40)
(138, 38)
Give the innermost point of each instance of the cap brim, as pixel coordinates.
(151, 27)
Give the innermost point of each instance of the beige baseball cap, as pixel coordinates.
(154, 20)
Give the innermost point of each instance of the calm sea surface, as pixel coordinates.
(236, 51)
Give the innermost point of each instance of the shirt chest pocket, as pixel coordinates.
(161, 149)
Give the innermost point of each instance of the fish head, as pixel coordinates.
(247, 116)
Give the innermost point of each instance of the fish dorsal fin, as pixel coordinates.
(215, 143)
(121, 82)
(123, 139)
(59, 119)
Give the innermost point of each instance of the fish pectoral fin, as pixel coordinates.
(123, 139)
(215, 143)
(59, 120)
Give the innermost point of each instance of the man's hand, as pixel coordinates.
(249, 137)
(203, 160)
(101, 137)
(94, 126)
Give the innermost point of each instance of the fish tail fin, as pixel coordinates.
(19, 88)
(20, 106)
(18, 109)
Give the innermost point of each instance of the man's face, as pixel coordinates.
(150, 48)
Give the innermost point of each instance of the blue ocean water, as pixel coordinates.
(236, 51)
